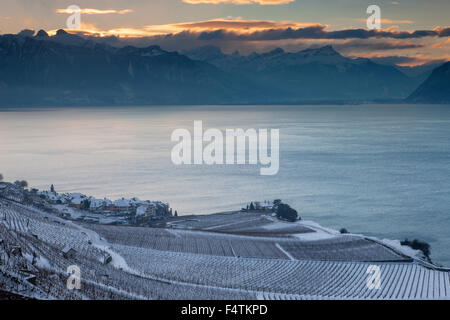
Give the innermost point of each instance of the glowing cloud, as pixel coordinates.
(240, 2)
(239, 25)
(96, 11)
(390, 21)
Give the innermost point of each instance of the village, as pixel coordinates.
(134, 211)
(46, 235)
(80, 207)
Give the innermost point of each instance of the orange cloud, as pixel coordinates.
(88, 29)
(95, 11)
(238, 29)
(240, 2)
(409, 61)
(239, 25)
(441, 45)
(389, 21)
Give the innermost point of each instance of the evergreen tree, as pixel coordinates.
(252, 206)
(284, 211)
(22, 184)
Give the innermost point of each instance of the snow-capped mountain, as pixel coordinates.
(67, 69)
(320, 73)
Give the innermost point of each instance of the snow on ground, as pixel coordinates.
(284, 251)
(257, 277)
(317, 227)
(327, 233)
(74, 214)
(43, 263)
(320, 233)
(117, 260)
(277, 225)
(313, 236)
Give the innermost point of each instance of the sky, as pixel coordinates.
(413, 31)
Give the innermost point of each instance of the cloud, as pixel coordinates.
(403, 61)
(239, 25)
(377, 45)
(259, 35)
(390, 21)
(195, 29)
(265, 30)
(95, 11)
(319, 32)
(441, 44)
(239, 2)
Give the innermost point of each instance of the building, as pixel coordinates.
(122, 205)
(96, 204)
(263, 206)
(68, 252)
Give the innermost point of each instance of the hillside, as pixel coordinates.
(68, 70)
(313, 74)
(233, 255)
(436, 89)
(36, 71)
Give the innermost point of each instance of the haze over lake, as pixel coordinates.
(381, 170)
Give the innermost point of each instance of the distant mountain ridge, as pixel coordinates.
(67, 69)
(436, 89)
(41, 72)
(312, 74)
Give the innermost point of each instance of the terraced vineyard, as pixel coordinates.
(299, 278)
(213, 257)
(343, 248)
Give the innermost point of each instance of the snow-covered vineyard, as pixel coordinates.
(223, 256)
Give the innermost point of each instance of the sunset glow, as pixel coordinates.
(405, 32)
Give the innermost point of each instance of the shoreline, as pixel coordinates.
(170, 222)
(165, 255)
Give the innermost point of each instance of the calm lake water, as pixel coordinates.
(381, 170)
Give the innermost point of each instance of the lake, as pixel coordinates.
(381, 170)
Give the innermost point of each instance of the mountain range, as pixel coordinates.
(67, 69)
(313, 74)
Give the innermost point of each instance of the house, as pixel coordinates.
(68, 252)
(106, 258)
(263, 206)
(76, 200)
(96, 204)
(76, 203)
(146, 210)
(122, 205)
(141, 211)
(161, 208)
(151, 211)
